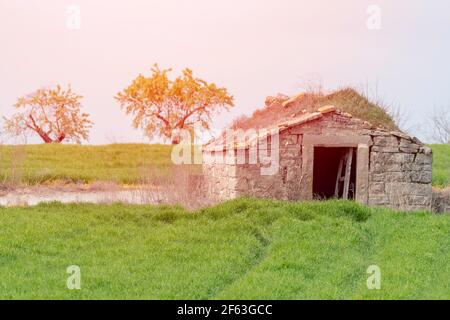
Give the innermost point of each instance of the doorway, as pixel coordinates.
(334, 174)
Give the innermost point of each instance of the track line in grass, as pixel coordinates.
(241, 249)
(260, 252)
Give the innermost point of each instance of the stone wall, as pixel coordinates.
(399, 166)
(289, 182)
(220, 177)
(400, 173)
(285, 184)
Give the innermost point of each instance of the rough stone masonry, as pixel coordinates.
(392, 169)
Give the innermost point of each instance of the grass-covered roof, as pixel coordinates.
(282, 108)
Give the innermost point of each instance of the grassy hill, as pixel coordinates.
(120, 163)
(246, 249)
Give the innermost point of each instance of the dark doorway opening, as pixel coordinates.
(326, 168)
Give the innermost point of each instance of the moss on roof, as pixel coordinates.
(347, 99)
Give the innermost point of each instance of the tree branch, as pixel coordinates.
(180, 123)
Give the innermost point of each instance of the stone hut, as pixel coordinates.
(321, 155)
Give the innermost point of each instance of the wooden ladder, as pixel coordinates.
(346, 160)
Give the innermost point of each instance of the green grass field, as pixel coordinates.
(120, 163)
(243, 249)
(441, 165)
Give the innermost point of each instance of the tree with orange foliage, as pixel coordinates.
(54, 114)
(162, 107)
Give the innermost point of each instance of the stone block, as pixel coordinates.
(423, 159)
(397, 177)
(378, 199)
(385, 149)
(378, 133)
(376, 177)
(411, 166)
(426, 150)
(293, 174)
(421, 176)
(419, 200)
(400, 135)
(403, 157)
(287, 140)
(351, 140)
(285, 162)
(415, 189)
(326, 109)
(408, 143)
(290, 153)
(389, 158)
(385, 167)
(242, 184)
(412, 149)
(307, 128)
(376, 187)
(385, 141)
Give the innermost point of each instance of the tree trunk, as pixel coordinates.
(61, 137)
(175, 138)
(44, 136)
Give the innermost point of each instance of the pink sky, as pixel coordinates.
(254, 48)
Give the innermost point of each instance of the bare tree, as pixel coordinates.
(440, 121)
